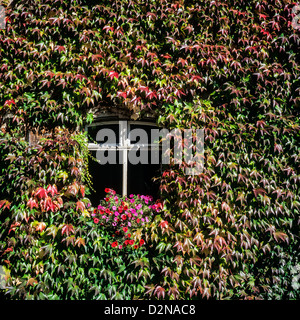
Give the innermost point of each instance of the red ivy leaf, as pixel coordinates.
(113, 74)
(9, 102)
(49, 205)
(82, 190)
(80, 205)
(41, 193)
(151, 95)
(60, 48)
(144, 89)
(5, 204)
(122, 94)
(32, 203)
(280, 235)
(160, 292)
(80, 242)
(260, 191)
(40, 227)
(67, 229)
(52, 190)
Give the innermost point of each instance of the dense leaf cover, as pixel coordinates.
(49, 242)
(229, 67)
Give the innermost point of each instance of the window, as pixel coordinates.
(122, 146)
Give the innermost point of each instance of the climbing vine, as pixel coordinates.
(228, 67)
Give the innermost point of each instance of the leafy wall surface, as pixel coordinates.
(229, 67)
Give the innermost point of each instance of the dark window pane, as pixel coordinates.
(145, 128)
(93, 130)
(104, 176)
(140, 179)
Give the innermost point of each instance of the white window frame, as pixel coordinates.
(124, 144)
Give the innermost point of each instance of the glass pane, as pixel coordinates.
(104, 176)
(146, 128)
(93, 130)
(140, 179)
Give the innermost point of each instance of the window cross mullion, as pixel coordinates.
(123, 125)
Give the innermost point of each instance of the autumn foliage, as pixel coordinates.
(228, 67)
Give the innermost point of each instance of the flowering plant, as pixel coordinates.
(125, 217)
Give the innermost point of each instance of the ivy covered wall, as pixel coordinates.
(229, 67)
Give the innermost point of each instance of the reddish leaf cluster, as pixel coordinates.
(45, 199)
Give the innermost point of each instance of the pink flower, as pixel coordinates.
(138, 206)
(96, 220)
(131, 196)
(116, 213)
(131, 200)
(114, 208)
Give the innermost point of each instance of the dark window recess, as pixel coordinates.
(104, 176)
(145, 128)
(93, 130)
(140, 179)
